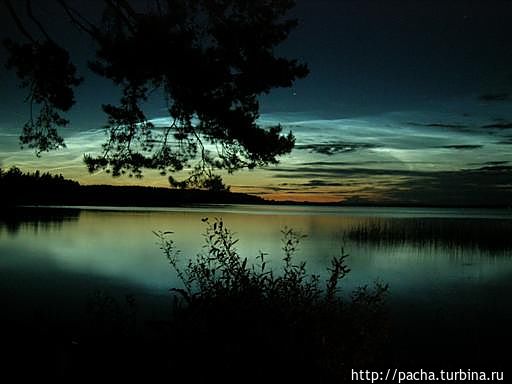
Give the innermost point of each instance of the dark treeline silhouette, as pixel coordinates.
(19, 188)
(14, 177)
(37, 188)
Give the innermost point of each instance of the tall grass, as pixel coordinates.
(483, 234)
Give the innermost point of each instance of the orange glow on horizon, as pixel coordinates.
(302, 197)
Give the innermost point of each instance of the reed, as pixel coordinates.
(491, 235)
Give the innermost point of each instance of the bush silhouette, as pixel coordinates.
(237, 320)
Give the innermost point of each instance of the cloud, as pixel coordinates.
(306, 172)
(324, 183)
(496, 168)
(438, 125)
(499, 125)
(462, 146)
(490, 184)
(332, 148)
(490, 163)
(495, 96)
(319, 172)
(367, 162)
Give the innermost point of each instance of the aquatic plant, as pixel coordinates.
(484, 234)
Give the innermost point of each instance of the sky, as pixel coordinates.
(407, 102)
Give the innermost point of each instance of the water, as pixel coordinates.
(117, 246)
(442, 265)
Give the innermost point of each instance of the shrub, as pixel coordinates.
(239, 320)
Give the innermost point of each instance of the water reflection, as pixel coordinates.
(12, 220)
(449, 271)
(410, 253)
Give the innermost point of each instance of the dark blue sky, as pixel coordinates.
(379, 56)
(406, 101)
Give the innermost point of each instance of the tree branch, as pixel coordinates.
(83, 24)
(30, 14)
(119, 10)
(127, 7)
(159, 7)
(18, 22)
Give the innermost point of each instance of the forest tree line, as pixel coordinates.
(37, 188)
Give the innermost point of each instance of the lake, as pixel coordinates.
(448, 270)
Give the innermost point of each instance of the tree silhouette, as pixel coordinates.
(211, 58)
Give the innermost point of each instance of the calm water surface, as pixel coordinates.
(445, 261)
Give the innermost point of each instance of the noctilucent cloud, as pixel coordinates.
(407, 102)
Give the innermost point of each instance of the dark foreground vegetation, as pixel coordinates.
(233, 319)
(246, 319)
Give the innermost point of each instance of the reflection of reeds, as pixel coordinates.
(484, 234)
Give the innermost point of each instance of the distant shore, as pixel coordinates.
(18, 188)
(140, 196)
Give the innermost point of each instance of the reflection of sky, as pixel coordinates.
(85, 246)
(406, 101)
